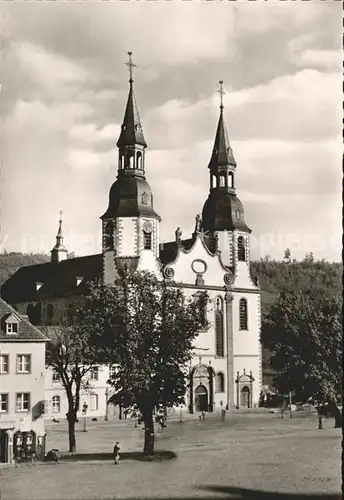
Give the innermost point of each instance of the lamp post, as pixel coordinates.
(106, 418)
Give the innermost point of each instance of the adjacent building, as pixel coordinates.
(226, 369)
(22, 386)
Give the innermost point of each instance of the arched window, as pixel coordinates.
(241, 249)
(222, 180)
(147, 240)
(219, 335)
(120, 161)
(50, 311)
(139, 160)
(213, 181)
(56, 404)
(231, 180)
(131, 159)
(144, 199)
(243, 314)
(220, 382)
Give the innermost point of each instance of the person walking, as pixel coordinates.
(116, 449)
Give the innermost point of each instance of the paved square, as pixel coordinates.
(247, 452)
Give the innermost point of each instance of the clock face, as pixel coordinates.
(199, 266)
(147, 227)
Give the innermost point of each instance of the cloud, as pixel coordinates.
(90, 133)
(63, 99)
(299, 107)
(326, 59)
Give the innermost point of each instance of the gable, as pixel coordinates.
(197, 263)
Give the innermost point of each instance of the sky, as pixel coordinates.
(64, 89)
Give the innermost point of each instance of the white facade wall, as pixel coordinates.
(95, 396)
(32, 383)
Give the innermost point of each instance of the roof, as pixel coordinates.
(57, 279)
(169, 251)
(222, 154)
(223, 211)
(130, 197)
(26, 330)
(131, 130)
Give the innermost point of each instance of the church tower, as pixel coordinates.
(223, 214)
(59, 252)
(130, 224)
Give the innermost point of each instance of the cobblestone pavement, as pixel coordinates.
(247, 456)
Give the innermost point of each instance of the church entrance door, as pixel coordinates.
(201, 398)
(245, 397)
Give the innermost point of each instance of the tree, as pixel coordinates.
(72, 353)
(148, 327)
(304, 333)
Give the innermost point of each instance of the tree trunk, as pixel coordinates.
(338, 418)
(149, 433)
(71, 432)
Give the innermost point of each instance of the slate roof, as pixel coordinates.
(58, 279)
(26, 331)
(169, 251)
(222, 154)
(131, 130)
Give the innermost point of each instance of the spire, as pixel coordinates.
(131, 130)
(59, 252)
(222, 154)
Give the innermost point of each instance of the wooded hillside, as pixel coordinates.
(274, 276)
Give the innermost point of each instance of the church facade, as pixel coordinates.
(226, 368)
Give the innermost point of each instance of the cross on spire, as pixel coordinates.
(221, 92)
(130, 65)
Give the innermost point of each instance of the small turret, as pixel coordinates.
(59, 252)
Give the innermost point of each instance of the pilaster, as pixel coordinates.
(229, 342)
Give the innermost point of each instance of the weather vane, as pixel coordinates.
(221, 92)
(130, 65)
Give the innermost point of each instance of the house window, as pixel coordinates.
(3, 363)
(12, 328)
(55, 375)
(94, 373)
(241, 249)
(22, 401)
(56, 402)
(220, 382)
(3, 403)
(94, 402)
(23, 363)
(243, 314)
(147, 240)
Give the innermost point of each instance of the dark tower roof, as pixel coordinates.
(222, 210)
(131, 130)
(222, 154)
(131, 195)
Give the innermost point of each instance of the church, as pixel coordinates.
(226, 369)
